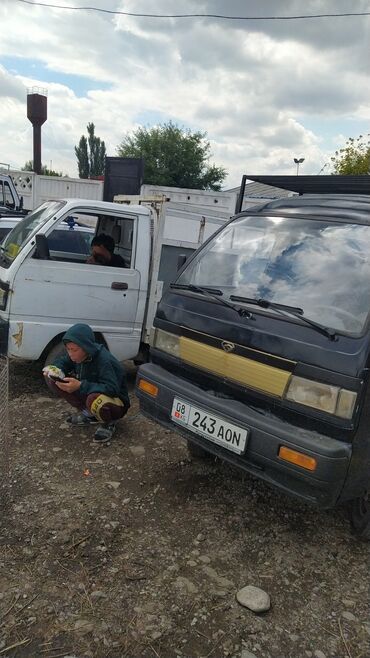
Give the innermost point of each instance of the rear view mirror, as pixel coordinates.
(42, 248)
(181, 260)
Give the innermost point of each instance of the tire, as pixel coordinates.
(54, 353)
(196, 452)
(360, 516)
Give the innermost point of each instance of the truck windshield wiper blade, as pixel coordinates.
(215, 294)
(265, 303)
(200, 289)
(288, 310)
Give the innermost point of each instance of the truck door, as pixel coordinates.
(53, 294)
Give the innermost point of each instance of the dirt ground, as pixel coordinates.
(132, 549)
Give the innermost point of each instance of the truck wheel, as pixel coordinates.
(360, 516)
(196, 452)
(55, 352)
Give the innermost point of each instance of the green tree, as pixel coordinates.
(28, 166)
(82, 158)
(354, 157)
(90, 154)
(173, 157)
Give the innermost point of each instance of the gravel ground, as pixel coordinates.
(132, 549)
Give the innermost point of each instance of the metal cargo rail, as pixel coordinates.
(310, 185)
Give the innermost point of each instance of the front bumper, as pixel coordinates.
(266, 434)
(4, 334)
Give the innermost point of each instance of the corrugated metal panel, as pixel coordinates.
(316, 184)
(261, 191)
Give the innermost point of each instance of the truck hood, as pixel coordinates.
(266, 332)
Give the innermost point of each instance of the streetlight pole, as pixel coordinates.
(298, 161)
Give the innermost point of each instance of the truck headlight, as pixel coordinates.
(4, 290)
(167, 342)
(324, 397)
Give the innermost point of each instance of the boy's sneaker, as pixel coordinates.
(104, 432)
(82, 419)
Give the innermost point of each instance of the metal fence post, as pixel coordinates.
(4, 430)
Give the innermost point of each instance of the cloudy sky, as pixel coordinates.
(265, 91)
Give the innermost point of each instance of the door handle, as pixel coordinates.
(119, 285)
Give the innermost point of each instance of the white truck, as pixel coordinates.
(10, 202)
(44, 291)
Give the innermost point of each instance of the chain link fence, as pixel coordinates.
(4, 430)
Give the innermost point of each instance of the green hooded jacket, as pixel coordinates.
(101, 372)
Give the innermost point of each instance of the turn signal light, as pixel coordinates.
(147, 387)
(297, 458)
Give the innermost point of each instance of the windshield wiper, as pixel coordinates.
(288, 310)
(265, 303)
(214, 293)
(201, 289)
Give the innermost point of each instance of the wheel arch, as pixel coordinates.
(58, 339)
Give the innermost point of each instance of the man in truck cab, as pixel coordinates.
(102, 252)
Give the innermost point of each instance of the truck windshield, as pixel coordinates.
(25, 229)
(321, 267)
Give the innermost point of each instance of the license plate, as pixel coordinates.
(213, 427)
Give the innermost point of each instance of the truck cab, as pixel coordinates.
(44, 290)
(10, 202)
(261, 349)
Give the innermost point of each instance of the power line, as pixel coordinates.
(218, 16)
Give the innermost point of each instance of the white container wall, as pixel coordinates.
(36, 189)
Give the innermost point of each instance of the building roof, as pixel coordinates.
(259, 190)
(315, 184)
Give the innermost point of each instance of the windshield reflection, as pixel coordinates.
(320, 266)
(25, 229)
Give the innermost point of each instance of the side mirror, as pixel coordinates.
(42, 248)
(181, 260)
(21, 203)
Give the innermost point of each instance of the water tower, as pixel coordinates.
(37, 113)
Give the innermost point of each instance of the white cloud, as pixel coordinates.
(255, 87)
(10, 87)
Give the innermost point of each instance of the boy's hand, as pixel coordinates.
(53, 372)
(69, 385)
